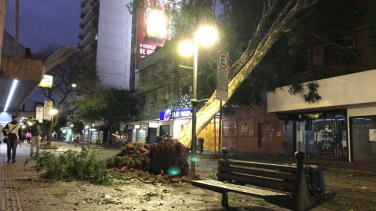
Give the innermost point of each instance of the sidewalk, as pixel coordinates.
(12, 175)
(22, 189)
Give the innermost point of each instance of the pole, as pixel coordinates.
(237, 131)
(52, 125)
(194, 108)
(215, 137)
(220, 129)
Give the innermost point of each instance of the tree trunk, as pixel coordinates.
(54, 122)
(256, 51)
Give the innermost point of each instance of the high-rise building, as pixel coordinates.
(117, 34)
(106, 32)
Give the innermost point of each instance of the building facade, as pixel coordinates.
(106, 35)
(342, 125)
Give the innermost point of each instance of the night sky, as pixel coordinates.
(45, 22)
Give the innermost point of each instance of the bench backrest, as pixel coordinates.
(282, 177)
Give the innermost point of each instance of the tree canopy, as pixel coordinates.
(72, 71)
(112, 105)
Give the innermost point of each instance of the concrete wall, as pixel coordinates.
(346, 90)
(114, 43)
(9, 48)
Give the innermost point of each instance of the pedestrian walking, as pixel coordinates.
(12, 132)
(201, 144)
(34, 129)
(28, 137)
(1, 129)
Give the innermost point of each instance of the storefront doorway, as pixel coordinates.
(322, 135)
(163, 130)
(363, 138)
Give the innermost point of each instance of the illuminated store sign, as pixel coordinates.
(181, 113)
(47, 81)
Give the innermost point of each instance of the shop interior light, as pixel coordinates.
(10, 96)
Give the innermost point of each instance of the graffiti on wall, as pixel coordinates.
(271, 131)
(245, 128)
(228, 143)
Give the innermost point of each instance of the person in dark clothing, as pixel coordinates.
(201, 144)
(34, 129)
(12, 132)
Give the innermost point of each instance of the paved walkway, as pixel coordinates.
(22, 189)
(11, 195)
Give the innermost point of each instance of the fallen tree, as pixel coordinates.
(168, 157)
(277, 17)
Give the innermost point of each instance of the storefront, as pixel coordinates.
(318, 134)
(181, 117)
(339, 126)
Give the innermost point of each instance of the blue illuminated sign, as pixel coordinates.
(180, 113)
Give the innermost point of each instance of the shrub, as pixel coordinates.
(72, 165)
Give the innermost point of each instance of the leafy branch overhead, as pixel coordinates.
(275, 18)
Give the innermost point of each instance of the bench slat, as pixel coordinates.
(259, 181)
(285, 168)
(220, 187)
(258, 172)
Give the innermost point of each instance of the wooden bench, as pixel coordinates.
(46, 145)
(283, 185)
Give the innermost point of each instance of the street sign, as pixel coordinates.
(222, 60)
(222, 75)
(39, 114)
(47, 109)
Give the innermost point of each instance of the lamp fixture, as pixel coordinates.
(10, 96)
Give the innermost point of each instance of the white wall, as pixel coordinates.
(342, 91)
(114, 43)
(368, 111)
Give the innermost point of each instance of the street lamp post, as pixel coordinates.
(194, 104)
(206, 36)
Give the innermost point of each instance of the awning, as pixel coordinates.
(27, 72)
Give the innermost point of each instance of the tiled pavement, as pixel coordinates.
(14, 178)
(10, 199)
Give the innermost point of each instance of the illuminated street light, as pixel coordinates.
(207, 36)
(53, 111)
(204, 36)
(186, 48)
(74, 85)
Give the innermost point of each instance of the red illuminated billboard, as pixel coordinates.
(153, 21)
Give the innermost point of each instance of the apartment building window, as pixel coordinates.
(341, 54)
